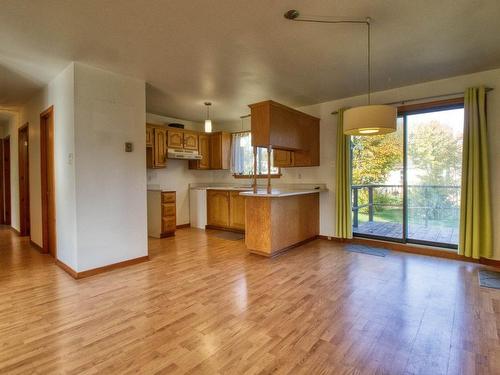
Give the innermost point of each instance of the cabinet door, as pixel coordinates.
(204, 148)
(236, 210)
(282, 158)
(220, 151)
(175, 139)
(149, 136)
(216, 151)
(218, 208)
(190, 141)
(160, 148)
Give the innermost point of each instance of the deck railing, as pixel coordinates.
(425, 202)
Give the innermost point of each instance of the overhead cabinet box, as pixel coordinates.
(285, 128)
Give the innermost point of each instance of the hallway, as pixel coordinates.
(203, 305)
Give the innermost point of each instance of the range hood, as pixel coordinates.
(179, 153)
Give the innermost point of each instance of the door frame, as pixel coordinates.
(24, 188)
(6, 181)
(403, 112)
(47, 165)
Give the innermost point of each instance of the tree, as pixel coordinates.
(374, 157)
(436, 154)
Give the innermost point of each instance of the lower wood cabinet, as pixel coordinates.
(225, 210)
(236, 210)
(218, 208)
(161, 213)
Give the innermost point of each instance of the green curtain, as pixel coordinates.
(343, 227)
(475, 211)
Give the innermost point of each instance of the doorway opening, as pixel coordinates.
(24, 184)
(5, 181)
(48, 181)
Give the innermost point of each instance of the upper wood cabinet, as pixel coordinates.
(218, 208)
(204, 151)
(220, 150)
(283, 158)
(175, 139)
(149, 136)
(285, 128)
(160, 148)
(190, 141)
(215, 148)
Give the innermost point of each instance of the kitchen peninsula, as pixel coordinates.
(281, 219)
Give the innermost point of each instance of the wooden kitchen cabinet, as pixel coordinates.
(161, 213)
(190, 141)
(159, 148)
(286, 129)
(218, 208)
(204, 151)
(220, 150)
(236, 210)
(149, 136)
(226, 210)
(283, 158)
(175, 139)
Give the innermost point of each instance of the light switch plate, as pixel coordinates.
(129, 147)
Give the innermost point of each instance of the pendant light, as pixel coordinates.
(208, 122)
(368, 119)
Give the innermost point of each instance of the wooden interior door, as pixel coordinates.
(2, 190)
(48, 182)
(24, 184)
(6, 180)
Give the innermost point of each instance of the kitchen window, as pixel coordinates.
(242, 157)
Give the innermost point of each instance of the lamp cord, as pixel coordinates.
(369, 62)
(367, 22)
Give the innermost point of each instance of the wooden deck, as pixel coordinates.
(418, 232)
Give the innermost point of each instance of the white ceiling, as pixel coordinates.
(236, 52)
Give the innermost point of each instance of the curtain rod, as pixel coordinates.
(488, 89)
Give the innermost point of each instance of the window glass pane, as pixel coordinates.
(434, 172)
(242, 155)
(377, 184)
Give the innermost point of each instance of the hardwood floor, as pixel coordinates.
(203, 305)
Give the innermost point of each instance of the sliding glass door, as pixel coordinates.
(406, 185)
(377, 184)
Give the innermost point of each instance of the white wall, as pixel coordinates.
(100, 189)
(177, 176)
(111, 214)
(325, 173)
(60, 94)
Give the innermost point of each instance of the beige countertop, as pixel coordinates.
(276, 193)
